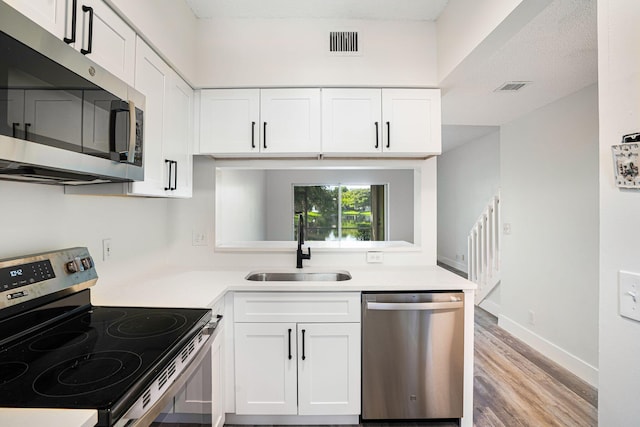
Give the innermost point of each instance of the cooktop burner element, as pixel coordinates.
(87, 373)
(147, 325)
(9, 371)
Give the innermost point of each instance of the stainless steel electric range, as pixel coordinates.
(59, 351)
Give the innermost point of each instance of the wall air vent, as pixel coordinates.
(343, 42)
(511, 86)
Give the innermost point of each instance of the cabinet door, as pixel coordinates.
(412, 122)
(152, 80)
(113, 42)
(329, 373)
(351, 121)
(290, 121)
(229, 121)
(179, 132)
(265, 374)
(52, 15)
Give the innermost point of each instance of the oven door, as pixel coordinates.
(188, 400)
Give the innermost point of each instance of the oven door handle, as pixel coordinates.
(167, 397)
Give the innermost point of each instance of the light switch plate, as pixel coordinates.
(629, 294)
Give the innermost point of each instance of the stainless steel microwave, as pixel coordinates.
(63, 118)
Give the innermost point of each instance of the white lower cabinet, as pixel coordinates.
(293, 366)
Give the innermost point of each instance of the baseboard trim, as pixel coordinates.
(299, 420)
(560, 356)
(491, 306)
(453, 263)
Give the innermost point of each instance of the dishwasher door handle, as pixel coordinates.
(413, 306)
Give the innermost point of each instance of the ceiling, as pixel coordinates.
(412, 10)
(556, 51)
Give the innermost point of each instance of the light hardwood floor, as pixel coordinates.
(515, 385)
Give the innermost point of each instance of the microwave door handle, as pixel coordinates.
(132, 132)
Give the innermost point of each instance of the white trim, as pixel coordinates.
(453, 263)
(560, 356)
(491, 306)
(299, 420)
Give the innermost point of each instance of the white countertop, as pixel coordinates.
(48, 417)
(202, 288)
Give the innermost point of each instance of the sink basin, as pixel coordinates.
(299, 276)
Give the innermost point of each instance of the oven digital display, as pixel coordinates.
(25, 274)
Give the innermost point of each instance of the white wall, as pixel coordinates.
(619, 85)
(549, 192)
(400, 197)
(294, 52)
(468, 177)
(478, 19)
(38, 218)
(242, 194)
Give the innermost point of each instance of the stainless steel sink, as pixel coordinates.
(298, 276)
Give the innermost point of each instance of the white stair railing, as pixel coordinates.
(484, 247)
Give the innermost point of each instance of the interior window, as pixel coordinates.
(340, 212)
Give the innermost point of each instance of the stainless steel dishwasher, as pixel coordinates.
(412, 355)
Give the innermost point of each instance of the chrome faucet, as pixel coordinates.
(299, 254)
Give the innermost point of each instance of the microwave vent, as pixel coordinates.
(343, 42)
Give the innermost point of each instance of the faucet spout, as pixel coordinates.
(299, 254)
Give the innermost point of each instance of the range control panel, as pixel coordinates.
(33, 276)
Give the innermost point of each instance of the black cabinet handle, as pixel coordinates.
(253, 134)
(26, 131)
(170, 162)
(175, 175)
(90, 43)
(74, 13)
(289, 343)
(377, 142)
(303, 356)
(13, 129)
(388, 134)
(264, 135)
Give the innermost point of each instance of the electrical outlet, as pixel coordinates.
(506, 228)
(532, 317)
(462, 257)
(106, 249)
(629, 294)
(198, 238)
(375, 257)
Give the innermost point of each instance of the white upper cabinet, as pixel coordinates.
(351, 121)
(167, 127)
(178, 127)
(152, 80)
(106, 39)
(404, 122)
(90, 27)
(290, 121)
(229, 121)
(260, 122)
(412, 121)
(52, 15)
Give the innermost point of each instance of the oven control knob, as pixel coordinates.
(87, 263)
(71, 267)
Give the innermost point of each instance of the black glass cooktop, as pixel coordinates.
(94, 357)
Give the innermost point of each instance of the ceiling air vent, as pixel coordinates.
(343, 42)
(511, 86)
